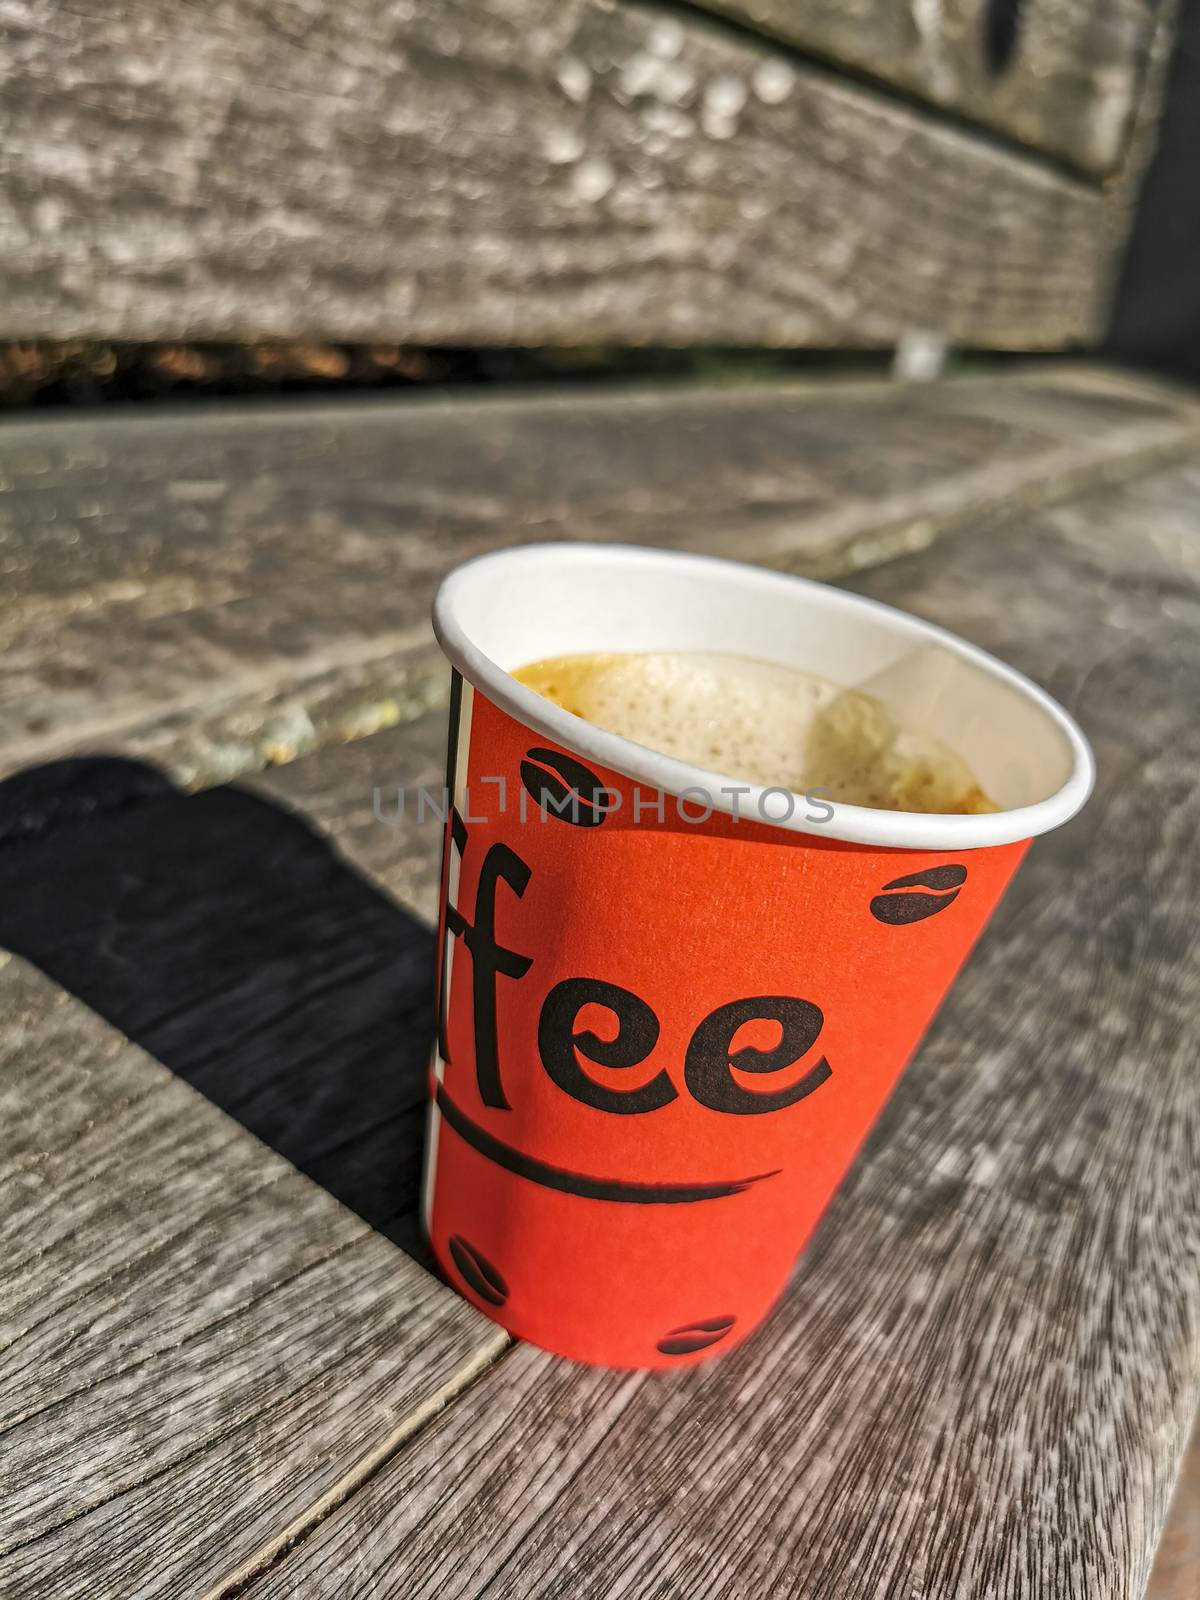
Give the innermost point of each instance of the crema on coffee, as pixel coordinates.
(762, 723)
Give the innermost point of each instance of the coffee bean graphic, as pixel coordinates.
(902, 900)
(477, 1271)
(695, 1336)
(563, 787)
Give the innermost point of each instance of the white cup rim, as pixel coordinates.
(901, 830)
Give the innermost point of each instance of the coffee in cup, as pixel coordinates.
(765, 723)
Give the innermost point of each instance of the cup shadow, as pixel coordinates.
(227, 938)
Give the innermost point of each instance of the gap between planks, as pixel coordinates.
(748, 29)
(484, 1360)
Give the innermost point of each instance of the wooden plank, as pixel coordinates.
(230, 939)
(526, 172)
(1069, 85)
(982, 1378)
(200, 1352)
(216, 589)
(350, 793)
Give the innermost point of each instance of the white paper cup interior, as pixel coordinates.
(506, 610)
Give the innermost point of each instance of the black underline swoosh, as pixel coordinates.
(646, 1194)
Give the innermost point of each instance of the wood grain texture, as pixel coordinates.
(982, 1378)
(199, 1350)
(350, 793)
(520, 172)
(215, 590)
(237, 944)
(1070, 86)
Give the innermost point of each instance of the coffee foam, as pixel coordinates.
(762, 723)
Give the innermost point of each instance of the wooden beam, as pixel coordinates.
(217, 589)
(517, 173)
(1061, 76)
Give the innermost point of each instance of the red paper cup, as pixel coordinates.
(671, 1005)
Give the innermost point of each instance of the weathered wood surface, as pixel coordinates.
(200, 1351)
(234, 944)
(983, 1376)
(334, 789)
(231, 937)
(218, 589)
(521, 172)
(1069, 86)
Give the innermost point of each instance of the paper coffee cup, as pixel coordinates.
(665, 1029)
